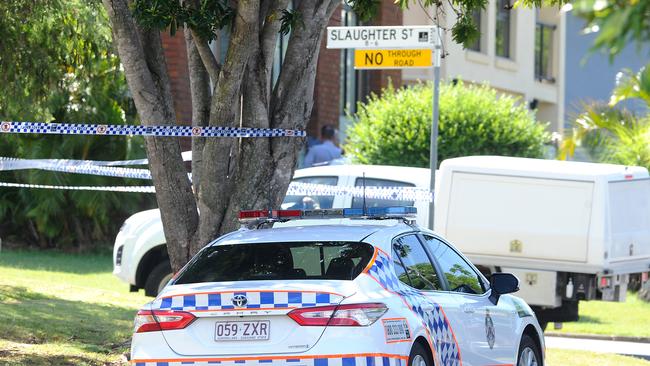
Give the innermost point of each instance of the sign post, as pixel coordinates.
(397, 47)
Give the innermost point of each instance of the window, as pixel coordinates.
(460, 276)
(417, 270)
(544, 52)
(357, 202)
(310, 202)
(278, 261)
(503, 28)
(476, 44)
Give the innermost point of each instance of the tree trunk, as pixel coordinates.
(146, 73)
(228, 174)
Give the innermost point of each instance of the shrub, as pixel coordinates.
(395, 129)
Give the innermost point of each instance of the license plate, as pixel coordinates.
(243, 331)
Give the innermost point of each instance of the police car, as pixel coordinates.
(357, 288)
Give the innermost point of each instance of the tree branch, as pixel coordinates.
(209, 60)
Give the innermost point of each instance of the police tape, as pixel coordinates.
(128, 130)
(383, 193)
(126, 189)
(75, 167)
(295, 189)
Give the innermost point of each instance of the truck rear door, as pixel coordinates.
(629, 226)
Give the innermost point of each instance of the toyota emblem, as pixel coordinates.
(239, 301)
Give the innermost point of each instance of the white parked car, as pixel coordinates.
(140, 253)
(359, 293)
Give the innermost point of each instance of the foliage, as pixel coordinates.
(611, 134)
(73, 77)
(394, 129)
(206, 18)
(618, 22)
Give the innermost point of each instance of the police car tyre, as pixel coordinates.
(529, 353)
(158, 278)
(419, 356)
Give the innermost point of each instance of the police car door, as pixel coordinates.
(487, 331)
(415, 270)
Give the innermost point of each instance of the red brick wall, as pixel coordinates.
(327, 88)
(176, 56)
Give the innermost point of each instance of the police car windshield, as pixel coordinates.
(278, 261)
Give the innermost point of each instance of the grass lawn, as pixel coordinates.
(558, 357)
(62, 309)
(630, 318)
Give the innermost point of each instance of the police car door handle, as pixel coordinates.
(427, 307)
(468, 308)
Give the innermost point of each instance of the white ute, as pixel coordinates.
(570, 231)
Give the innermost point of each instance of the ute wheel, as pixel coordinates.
(158, 278)
(419, 356)
(529, 354)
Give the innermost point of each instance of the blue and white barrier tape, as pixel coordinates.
(105, 168)
(73, 166)
(384, 193)
(132, 189)
(126, 130)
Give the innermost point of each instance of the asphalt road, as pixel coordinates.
(641, 350)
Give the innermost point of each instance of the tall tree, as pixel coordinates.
(232, 174)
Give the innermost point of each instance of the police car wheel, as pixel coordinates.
(419, 356)
(529, 354)
(158, 278)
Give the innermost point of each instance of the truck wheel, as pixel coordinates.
(529, 353)
(158, 278)
(419, 356)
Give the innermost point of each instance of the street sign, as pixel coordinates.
(392, 59)
(382, 37)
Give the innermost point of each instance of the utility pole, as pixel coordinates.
(433, 154)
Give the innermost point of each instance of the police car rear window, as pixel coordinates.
(278, 261)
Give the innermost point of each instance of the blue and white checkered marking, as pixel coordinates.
(256, 300)
(435, 321)
(127, 130)
(338, 360)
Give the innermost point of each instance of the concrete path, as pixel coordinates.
(641, 350)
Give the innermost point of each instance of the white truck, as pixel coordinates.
(570, 231)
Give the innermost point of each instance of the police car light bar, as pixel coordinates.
(252, 216)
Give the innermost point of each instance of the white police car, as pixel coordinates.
(368, 292)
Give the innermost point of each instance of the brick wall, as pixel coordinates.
(327, 87)
(176, 57)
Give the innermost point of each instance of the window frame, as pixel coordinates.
(505, 16)
(434, 264)
(482, 280)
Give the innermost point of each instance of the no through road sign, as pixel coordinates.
(391, 59)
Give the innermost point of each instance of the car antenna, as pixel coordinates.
(365, 208)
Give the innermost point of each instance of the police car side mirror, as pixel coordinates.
(501, 284)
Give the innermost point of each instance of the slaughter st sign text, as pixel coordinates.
(381, 37)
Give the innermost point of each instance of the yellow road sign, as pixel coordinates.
(391, 59)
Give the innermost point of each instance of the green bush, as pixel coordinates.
(395, 129)
(75, 77)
